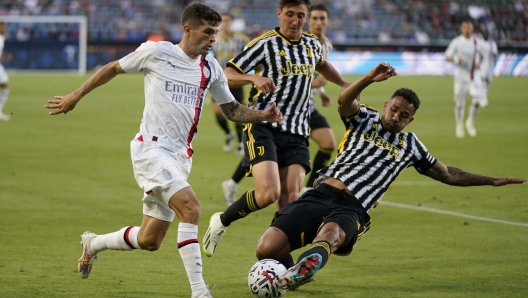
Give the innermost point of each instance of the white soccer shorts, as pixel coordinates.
(160, 173)
(463, 84)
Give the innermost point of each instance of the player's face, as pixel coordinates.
(318, 22)
(397, 113)
(292, 19)
(466, 28)
(202, 37)
(227, 22)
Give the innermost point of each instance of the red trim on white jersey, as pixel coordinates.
(198, 108)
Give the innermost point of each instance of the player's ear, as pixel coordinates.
(278, 13)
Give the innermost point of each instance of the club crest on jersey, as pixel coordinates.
(378, 141)
(296, 69)
(206, 72)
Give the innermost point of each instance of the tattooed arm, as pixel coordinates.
(236, 112)
(457, 177)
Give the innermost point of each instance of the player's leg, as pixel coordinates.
(324, 137)
(262, 152)
(229, 187)
(461, 86)
(222, 122)
(476, 93)
(4, 92)
(187, 208)
(273, 244)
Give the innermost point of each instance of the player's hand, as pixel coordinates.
(265, 84)
(62, 104)
(273, 114)
(318, 82)
(506, 181)
(382, 72)
(325, 99)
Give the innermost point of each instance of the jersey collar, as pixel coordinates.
(289, 41)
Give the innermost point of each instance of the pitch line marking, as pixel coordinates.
(454, 214)
(407, 183)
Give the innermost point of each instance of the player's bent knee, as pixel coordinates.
(266, 196)
(149, 243)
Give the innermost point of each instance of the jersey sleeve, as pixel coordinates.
(253, 54)
(422, 161)
(140, 58)
(355, 120)
(450, 51)
(318, 52)
(219, 89)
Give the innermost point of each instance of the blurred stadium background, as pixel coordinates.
(411, 31)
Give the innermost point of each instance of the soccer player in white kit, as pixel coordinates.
(466, 51)
(486, 68)
(4, 79)
(176, 79)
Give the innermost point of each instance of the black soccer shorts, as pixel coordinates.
(317, 120)
(301, 220)
(263, 142)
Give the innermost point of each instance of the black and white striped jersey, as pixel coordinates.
(326, 48)
(291, 64)
(370, 158)
(228, 46)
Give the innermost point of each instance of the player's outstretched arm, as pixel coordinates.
(236, 80)
(457, 177)
(66, 103)
(331, 74)
(348, 99)
(236, 112)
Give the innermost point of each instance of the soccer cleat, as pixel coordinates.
(86, 260)
(471, 128)
(4, 117)
(460, 131)
(214, 234)
(229, 188)
(229, 141)
(205, 294)
(296, 287)
(301, 273)
(240, 149)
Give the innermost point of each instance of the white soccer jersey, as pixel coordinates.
(470, 51)
(175, 87)
(491, 51)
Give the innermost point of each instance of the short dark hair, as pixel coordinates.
(196, 12)
(284, 3)
(320, 6)
(409, 95)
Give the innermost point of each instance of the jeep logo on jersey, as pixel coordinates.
(380, 142)
(296, 69)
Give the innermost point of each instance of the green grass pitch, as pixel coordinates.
(62, 175)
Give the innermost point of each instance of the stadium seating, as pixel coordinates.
(353, 22)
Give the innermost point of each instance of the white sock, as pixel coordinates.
(473, 111)
(3, 98)
(189, 249)
(124, 239)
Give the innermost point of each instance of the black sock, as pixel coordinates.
(223, 123)
(240, 208)
(239, 129)
(287, 261)
(239, 173)
(321, 160)
(321, 247)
